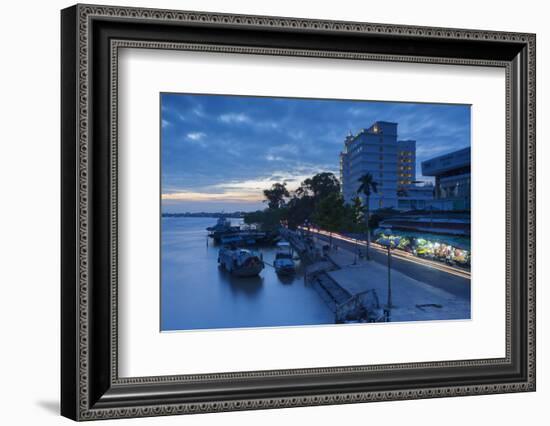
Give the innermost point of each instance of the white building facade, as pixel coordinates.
(392, 164)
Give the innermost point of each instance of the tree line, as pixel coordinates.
(319, 201)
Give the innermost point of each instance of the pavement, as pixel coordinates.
(412, 299)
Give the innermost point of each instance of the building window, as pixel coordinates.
(380, 203)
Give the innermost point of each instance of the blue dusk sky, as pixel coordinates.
(219, 152)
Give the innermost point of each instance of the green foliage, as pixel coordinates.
(300, 210)
(330, 212)
(318, 200)
(268, 219)
(357, 211)
(319, 186)
(302, 205)
(367, 185)
(275, 196)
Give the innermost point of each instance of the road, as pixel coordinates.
(455, 283)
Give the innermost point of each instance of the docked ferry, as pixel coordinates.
(227, 234)
(222, 228)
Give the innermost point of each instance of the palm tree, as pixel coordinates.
(367, 187)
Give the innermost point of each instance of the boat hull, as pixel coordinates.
(249, 271)
(240, 263)
(285, 271)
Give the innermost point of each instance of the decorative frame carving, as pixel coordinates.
(111, 396)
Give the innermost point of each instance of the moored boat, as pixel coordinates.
(242, 237)
(221, 225)
(225, 233)
(222, 228)
(240, 262)
(284, 262)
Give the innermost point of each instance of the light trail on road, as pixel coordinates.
(408, 257)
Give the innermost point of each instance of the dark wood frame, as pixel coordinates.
(90, 386)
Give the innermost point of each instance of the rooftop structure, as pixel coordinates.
(452, 179)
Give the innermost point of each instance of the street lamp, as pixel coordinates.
(390, 245)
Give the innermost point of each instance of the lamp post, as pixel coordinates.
(389, 303)
(390, 245)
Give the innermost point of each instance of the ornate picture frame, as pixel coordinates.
(91, 37)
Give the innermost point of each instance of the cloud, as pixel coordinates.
(199, 111)
(241, 190)
(270, 157)
(284, 149)
(297, 135)
(195, 136)
(356, 112)
(232, 118)
(293, 177)
(268, 125)
(233, 196)
(165, 123)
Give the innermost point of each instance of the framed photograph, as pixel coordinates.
(263, 212)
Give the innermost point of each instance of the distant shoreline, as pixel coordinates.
(235, 215)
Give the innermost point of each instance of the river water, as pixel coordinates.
(197, 294)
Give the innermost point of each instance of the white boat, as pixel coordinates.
(284, 262)
(242, 238)
(240, 262)
(221, 225)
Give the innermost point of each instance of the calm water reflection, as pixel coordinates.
(197, 294)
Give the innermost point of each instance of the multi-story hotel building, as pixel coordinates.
(377, 151)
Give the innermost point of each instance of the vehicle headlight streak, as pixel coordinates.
(396, 253)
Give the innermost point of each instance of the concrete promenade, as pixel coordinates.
(413, 299)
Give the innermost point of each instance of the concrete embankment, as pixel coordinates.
(412, 300)
(316, 267)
